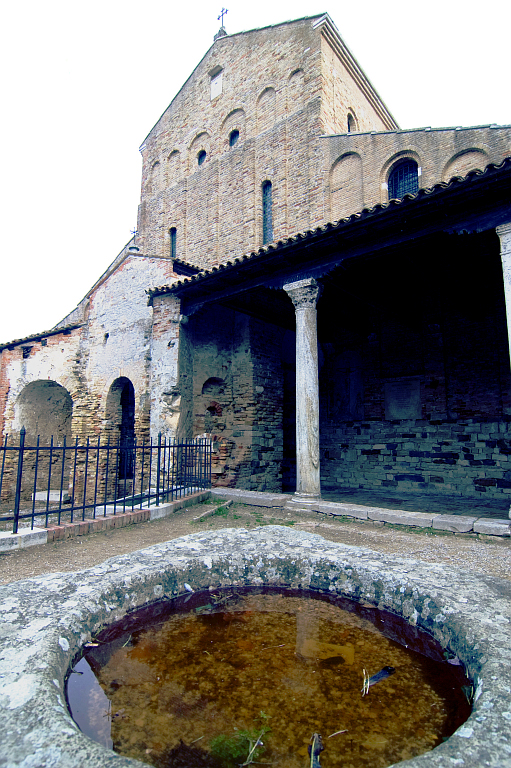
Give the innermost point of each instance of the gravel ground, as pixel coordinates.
(478, 554)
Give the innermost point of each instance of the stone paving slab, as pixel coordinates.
(455, 523)
(493, 527)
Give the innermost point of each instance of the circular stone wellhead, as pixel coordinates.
(45, 621)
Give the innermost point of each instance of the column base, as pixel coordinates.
(303, 501)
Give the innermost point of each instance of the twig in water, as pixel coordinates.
(127, 641)
(273, 646)
(336, 734)
(365, 686)
(193, 742)
(258, 743)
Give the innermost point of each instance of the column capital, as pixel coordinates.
(504, 233)
(503, 229)
(303, 293)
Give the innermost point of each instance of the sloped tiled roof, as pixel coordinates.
(404, 203)
(65, 330)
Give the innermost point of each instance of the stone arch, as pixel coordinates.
(266, 109)
(295, 90)
(465, 161)
(45, 409)
(120, 423)
(346, 186)
(390, 165)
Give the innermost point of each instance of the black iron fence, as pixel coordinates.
(44, 484)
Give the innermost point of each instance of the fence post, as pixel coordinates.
(158, 470)
(18, 481)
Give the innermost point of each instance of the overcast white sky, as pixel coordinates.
(83, 85)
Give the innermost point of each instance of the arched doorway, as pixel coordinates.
(120, 424)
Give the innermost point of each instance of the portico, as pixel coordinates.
(375, 351)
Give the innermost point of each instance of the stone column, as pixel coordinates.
(304, 295)
(504, 232)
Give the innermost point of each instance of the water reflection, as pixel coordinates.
(203, 687)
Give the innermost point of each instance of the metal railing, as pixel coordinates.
(46, 484)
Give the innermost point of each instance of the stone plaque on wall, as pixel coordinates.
(403, 399)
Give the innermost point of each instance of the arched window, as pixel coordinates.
(233, 137)
(267, 213)
(173, 242)
(403, 178)
(352, 126)
(201, 156)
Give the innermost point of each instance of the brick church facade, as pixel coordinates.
(324, 294)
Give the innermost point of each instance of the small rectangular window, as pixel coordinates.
(216, 85)
(267, 213)
(173, 242)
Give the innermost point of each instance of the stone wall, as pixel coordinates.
(467, 457)
(35, 364)
(165, 393)
(112, 344)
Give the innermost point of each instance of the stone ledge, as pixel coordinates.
(255, 498)
(108, 518)
(46, 620)
(401, 517)
(455, 523)
(336, 508)
(493, 527)
(25, 537)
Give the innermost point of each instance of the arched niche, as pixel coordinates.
(266, 110)
(173, 166)
(153, 179)
(295, 90)
(235, 121)
(199, 148)
(346, 186)
(45, 409)
(213, 400)
(465, 161)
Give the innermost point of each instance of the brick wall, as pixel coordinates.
(466, 457)
(282, 88)
(236, 396)
(438, 331)
(440, 154)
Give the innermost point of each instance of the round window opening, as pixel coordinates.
(242, 676)
(233, 137)
(201, 157)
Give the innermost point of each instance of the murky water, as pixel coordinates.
(201, 684)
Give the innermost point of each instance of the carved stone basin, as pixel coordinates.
(46, 620)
